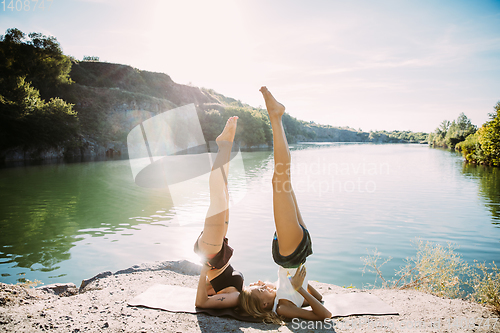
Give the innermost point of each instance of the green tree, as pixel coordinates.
(471, 148)
(439, 135)
(30, 65)
(37, 57)
(252, 125)
(449, 134)
(489, 138)
(211, 124)
(27, 121)
(458, 130)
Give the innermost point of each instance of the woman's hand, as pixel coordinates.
(298, 278)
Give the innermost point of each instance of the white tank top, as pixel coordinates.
(285, 290)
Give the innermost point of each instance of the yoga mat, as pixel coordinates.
(352, 304)
(181, 299)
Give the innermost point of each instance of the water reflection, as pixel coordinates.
(49, 209)
(489, 187)
(46, 209)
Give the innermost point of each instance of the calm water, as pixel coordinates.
(68, 222)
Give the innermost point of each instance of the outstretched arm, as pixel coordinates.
(319, 312)
(201, 293)
(217, 301)
(314, 292)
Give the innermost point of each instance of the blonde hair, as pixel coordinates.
(251, 304)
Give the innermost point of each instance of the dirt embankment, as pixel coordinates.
(100, 305)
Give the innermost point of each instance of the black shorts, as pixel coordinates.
(221, 258)
(228, 278)
(298, 256)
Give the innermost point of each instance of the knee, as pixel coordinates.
(282, 169)
(281, 183)
(281, 175)
(218, 197)
(277, 180)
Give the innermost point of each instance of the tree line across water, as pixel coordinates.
(481, 146)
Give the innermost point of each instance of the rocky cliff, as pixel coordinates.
(110, 100)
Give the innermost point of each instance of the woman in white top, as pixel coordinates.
(291, 243)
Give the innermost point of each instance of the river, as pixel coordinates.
(64, 222)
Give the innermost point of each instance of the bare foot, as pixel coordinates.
(274, 108)
(228, 131)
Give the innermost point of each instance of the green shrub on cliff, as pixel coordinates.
(37, 57)
(211, 124)
(27, 121)
(253, 126)
(30, 117)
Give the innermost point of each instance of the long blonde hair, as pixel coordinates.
(250, 303)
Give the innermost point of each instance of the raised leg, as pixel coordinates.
(287, 216)
(215, 227)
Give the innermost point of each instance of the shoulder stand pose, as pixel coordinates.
(291, 243)
(225, 283)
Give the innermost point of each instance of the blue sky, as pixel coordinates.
(373, 65)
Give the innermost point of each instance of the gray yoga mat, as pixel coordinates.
(181, 299)
(352, 304)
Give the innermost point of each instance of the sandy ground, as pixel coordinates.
(101, 306)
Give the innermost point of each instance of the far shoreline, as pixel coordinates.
(61, 159)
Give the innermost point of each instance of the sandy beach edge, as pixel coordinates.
(100, 305)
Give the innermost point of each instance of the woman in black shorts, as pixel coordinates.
(291, 244)
(225, 284)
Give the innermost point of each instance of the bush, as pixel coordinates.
(441, 271)
(448, 134)
(471, 148)
(486, 284)
(27, 121)
(483, 147)
(253, 129)
(490, 138)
